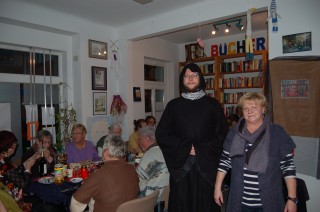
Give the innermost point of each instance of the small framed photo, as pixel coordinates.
(98, 49)
(100, 103)
(99, 78)
(136, 94)
(296, 42)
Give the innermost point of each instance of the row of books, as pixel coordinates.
(209, 82)
(231, 110)
(240, 66)
(240, 82)
(231, 98)
(207, 68)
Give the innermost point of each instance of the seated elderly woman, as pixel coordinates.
(80, 150)
(12, 179)
(114, 130)
(43, 143)
(114, 183)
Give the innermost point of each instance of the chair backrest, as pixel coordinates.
(165, 196)
(142, 204)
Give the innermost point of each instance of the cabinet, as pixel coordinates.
(236, 77)
(208, 69)
(228, 77)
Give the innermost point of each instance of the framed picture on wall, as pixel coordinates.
(296, 42)
(100, 103)
(136, 94)
(99, 78)
(98, 49)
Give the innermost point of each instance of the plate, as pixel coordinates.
(76, 180)
(97, 163)
(46, 180)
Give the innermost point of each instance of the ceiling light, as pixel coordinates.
(227, 28)
(215, 29)
(239, 26)
(143, 1)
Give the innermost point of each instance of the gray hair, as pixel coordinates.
(113, 127)
(43, 133)
(148, 131)
(115, 146)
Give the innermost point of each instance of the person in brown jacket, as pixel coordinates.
(113, 184)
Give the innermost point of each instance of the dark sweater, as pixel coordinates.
(270, 183)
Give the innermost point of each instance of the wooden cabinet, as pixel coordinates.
(228, 77)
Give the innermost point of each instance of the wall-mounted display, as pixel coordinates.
(98, 49)
(296, 42)
(99, 78)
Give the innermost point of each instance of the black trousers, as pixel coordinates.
(192, 193)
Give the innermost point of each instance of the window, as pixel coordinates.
(153, 73)
(17, 62)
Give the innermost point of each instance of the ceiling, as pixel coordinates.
(117, 13)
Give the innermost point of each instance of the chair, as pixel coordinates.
(143, 204)
(165, 196)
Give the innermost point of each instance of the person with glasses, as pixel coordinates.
(13, 179)
(80, 150)
(190, 134)
(43, 143)
(260, 156)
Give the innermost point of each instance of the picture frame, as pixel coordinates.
(297, 42)
(136, 94)
(99, 103)
(98, 49)
(99, 78)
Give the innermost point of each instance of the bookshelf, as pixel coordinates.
(208, 69)
(228, 77)
(236, 77)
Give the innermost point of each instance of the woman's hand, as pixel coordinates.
(47, 156)
(218, 197)
(30, 162)
(290, 206)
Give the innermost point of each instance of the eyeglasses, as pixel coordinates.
(251, 109)
(191, 76)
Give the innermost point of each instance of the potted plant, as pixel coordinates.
(65, 119)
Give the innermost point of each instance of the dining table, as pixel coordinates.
(51, 193)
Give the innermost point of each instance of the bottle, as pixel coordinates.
(43, 165)
(84, 172)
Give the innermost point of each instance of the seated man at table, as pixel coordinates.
(113, 184)
(152, 170)
(114, 130)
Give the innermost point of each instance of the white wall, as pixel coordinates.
(25, 24)
(28, 25)
(297, 17)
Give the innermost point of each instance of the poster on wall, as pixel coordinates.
(296, 42)
(295, 88)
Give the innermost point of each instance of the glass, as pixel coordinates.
(191, 76)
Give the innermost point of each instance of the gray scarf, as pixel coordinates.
(193, 96)
(259, 158)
